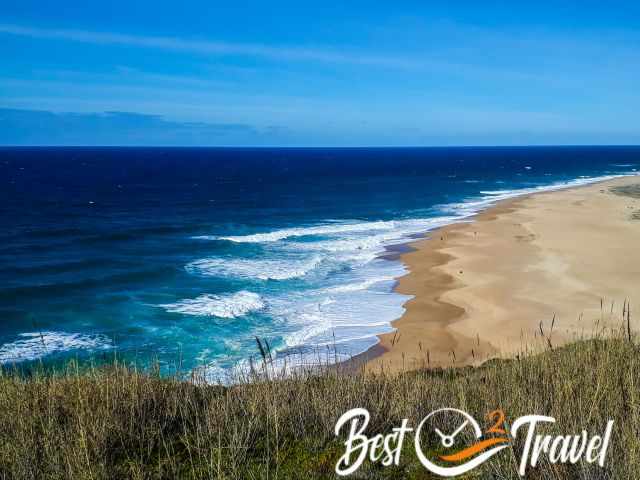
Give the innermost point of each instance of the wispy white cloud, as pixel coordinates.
(514, 56)
(417, 61)
(281, 53)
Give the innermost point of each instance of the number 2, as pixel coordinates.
(497, 416)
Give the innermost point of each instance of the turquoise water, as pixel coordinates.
(188, 255)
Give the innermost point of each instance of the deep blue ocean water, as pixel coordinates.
(189, 254)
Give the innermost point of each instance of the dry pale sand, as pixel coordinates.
(481, 289)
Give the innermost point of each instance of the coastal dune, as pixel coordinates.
(549, 267)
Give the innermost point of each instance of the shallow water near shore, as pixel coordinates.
(190, 254)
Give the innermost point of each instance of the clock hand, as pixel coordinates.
(459, 429)
(442, 435)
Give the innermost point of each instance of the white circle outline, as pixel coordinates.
(459, 469)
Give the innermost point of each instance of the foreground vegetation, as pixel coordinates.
(116, 422)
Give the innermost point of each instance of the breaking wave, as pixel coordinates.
(284, 269)
(222, 306)
(36, 345)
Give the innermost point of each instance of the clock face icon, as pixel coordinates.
(454, 442)
(457, 421)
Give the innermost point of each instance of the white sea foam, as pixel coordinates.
(495, 192)
(290, 259)
(367, 245)
(361, 306)
(319, 330)
(325, 229)
(223, 306)
(280, 269)
(35, 345)
(357, 286)
(204, 237)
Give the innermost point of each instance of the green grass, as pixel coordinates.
(117, 422)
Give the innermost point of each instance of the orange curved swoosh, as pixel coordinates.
(472, 450)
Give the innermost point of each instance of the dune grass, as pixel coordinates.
(118, 422)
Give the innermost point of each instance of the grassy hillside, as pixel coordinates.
(115, 422)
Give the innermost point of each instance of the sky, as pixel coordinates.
(292, 73)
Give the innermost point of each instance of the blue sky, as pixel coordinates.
(319, 73)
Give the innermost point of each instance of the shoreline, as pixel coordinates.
(460, 277)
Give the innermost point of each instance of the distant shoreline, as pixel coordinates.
(481, 288)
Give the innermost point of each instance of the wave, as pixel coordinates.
(358, 286)
(291, 259)
(325, 229)
(324, 316)
(35, 345)
(495, 192)
(223, 306)
(284, 269)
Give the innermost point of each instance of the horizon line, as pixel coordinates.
(351, 147)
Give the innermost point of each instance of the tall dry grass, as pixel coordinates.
(118, 422)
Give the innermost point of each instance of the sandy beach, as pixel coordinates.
(484, 288)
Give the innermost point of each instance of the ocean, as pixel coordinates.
(186, 255)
